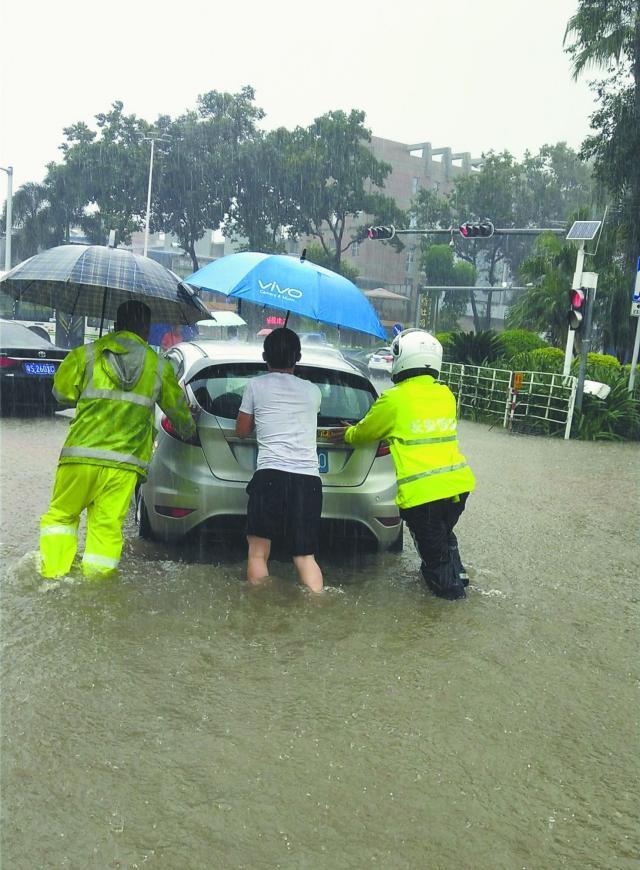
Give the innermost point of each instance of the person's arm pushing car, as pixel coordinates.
(244, 424)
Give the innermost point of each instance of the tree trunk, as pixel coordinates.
(192, 253)
(474, 308)
(487, 318)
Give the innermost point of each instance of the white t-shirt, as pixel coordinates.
(285, 409)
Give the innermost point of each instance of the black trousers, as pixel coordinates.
(431, 526)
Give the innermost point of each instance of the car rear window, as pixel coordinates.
(346, 396)
(16, 335)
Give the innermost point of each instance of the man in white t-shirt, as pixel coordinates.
(285, 493)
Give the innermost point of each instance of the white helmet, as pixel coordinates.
(415, 349)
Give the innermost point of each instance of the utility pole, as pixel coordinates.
(9, 223)
(152, 138)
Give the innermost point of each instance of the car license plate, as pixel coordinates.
(37, 368)
(323, 461)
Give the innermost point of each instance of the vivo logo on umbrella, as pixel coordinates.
(272, 288)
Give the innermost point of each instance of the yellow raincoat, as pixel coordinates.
(418, 419)
(114, 385)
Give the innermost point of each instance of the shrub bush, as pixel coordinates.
(474, 348)
(444, 338)
(514, 341)
(543, 359)
(597, 361)
(616, 418)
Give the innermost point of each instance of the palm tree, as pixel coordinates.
(604, 31)
(544, 307)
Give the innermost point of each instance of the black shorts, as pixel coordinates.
(285, 507)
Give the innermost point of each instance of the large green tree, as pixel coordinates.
(338, 181)
(606, 34)
(201, 167)
(265, 209)
(107, 169)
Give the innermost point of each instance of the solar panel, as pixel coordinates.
(583, 231)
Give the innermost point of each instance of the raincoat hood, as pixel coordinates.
(123, 356)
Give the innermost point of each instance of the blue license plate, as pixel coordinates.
(37, 368)
(323, 461)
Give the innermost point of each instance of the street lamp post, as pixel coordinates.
(151, 139)
(9, 224)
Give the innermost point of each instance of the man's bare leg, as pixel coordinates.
(309, 572)
(259, 549)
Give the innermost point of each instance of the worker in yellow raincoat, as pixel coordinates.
(114, 385)
(418, 418)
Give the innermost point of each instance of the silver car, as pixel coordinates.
(202, 484)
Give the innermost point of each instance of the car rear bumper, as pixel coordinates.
(179, 479)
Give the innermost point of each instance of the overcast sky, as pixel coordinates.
(471, 75)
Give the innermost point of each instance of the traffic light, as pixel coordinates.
(482, 229)
(381, 232)
(576, 309)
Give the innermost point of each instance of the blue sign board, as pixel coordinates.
(396, 329)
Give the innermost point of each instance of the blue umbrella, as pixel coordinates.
(293, 285)
(92, 281)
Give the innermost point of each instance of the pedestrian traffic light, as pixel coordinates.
(482, 229)
(381, 232)
(576, 308)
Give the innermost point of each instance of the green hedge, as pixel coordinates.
(515, 341)
(598, 360)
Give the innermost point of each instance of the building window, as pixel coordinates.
(161, 237)
(414, 185)
(409, 260)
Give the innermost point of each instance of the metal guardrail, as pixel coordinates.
(544, 399)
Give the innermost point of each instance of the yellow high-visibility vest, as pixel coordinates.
(114, 384)
(418, 419)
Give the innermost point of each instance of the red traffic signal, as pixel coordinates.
(482, 229)
(381, 232)
(576, 310)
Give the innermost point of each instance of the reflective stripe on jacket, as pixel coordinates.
(418, 419)
(114, 384)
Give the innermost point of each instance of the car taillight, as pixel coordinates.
(6, 362)
(383, 449)
(389, 521)
(175, 513)
(387, 358)
(171, 430)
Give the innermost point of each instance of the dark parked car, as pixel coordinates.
(28, 363)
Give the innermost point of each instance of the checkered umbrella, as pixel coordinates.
(93, 281)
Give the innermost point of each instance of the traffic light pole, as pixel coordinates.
(585, 345)
(571, 333)
(507, 231)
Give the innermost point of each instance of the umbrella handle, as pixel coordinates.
(104, 308)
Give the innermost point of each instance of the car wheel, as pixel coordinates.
(398, 544)
(142, 518)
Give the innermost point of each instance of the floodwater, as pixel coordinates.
(173, 718)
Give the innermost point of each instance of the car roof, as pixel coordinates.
(199, 354)
(16, 335)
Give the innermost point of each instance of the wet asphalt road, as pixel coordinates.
(171, 717)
